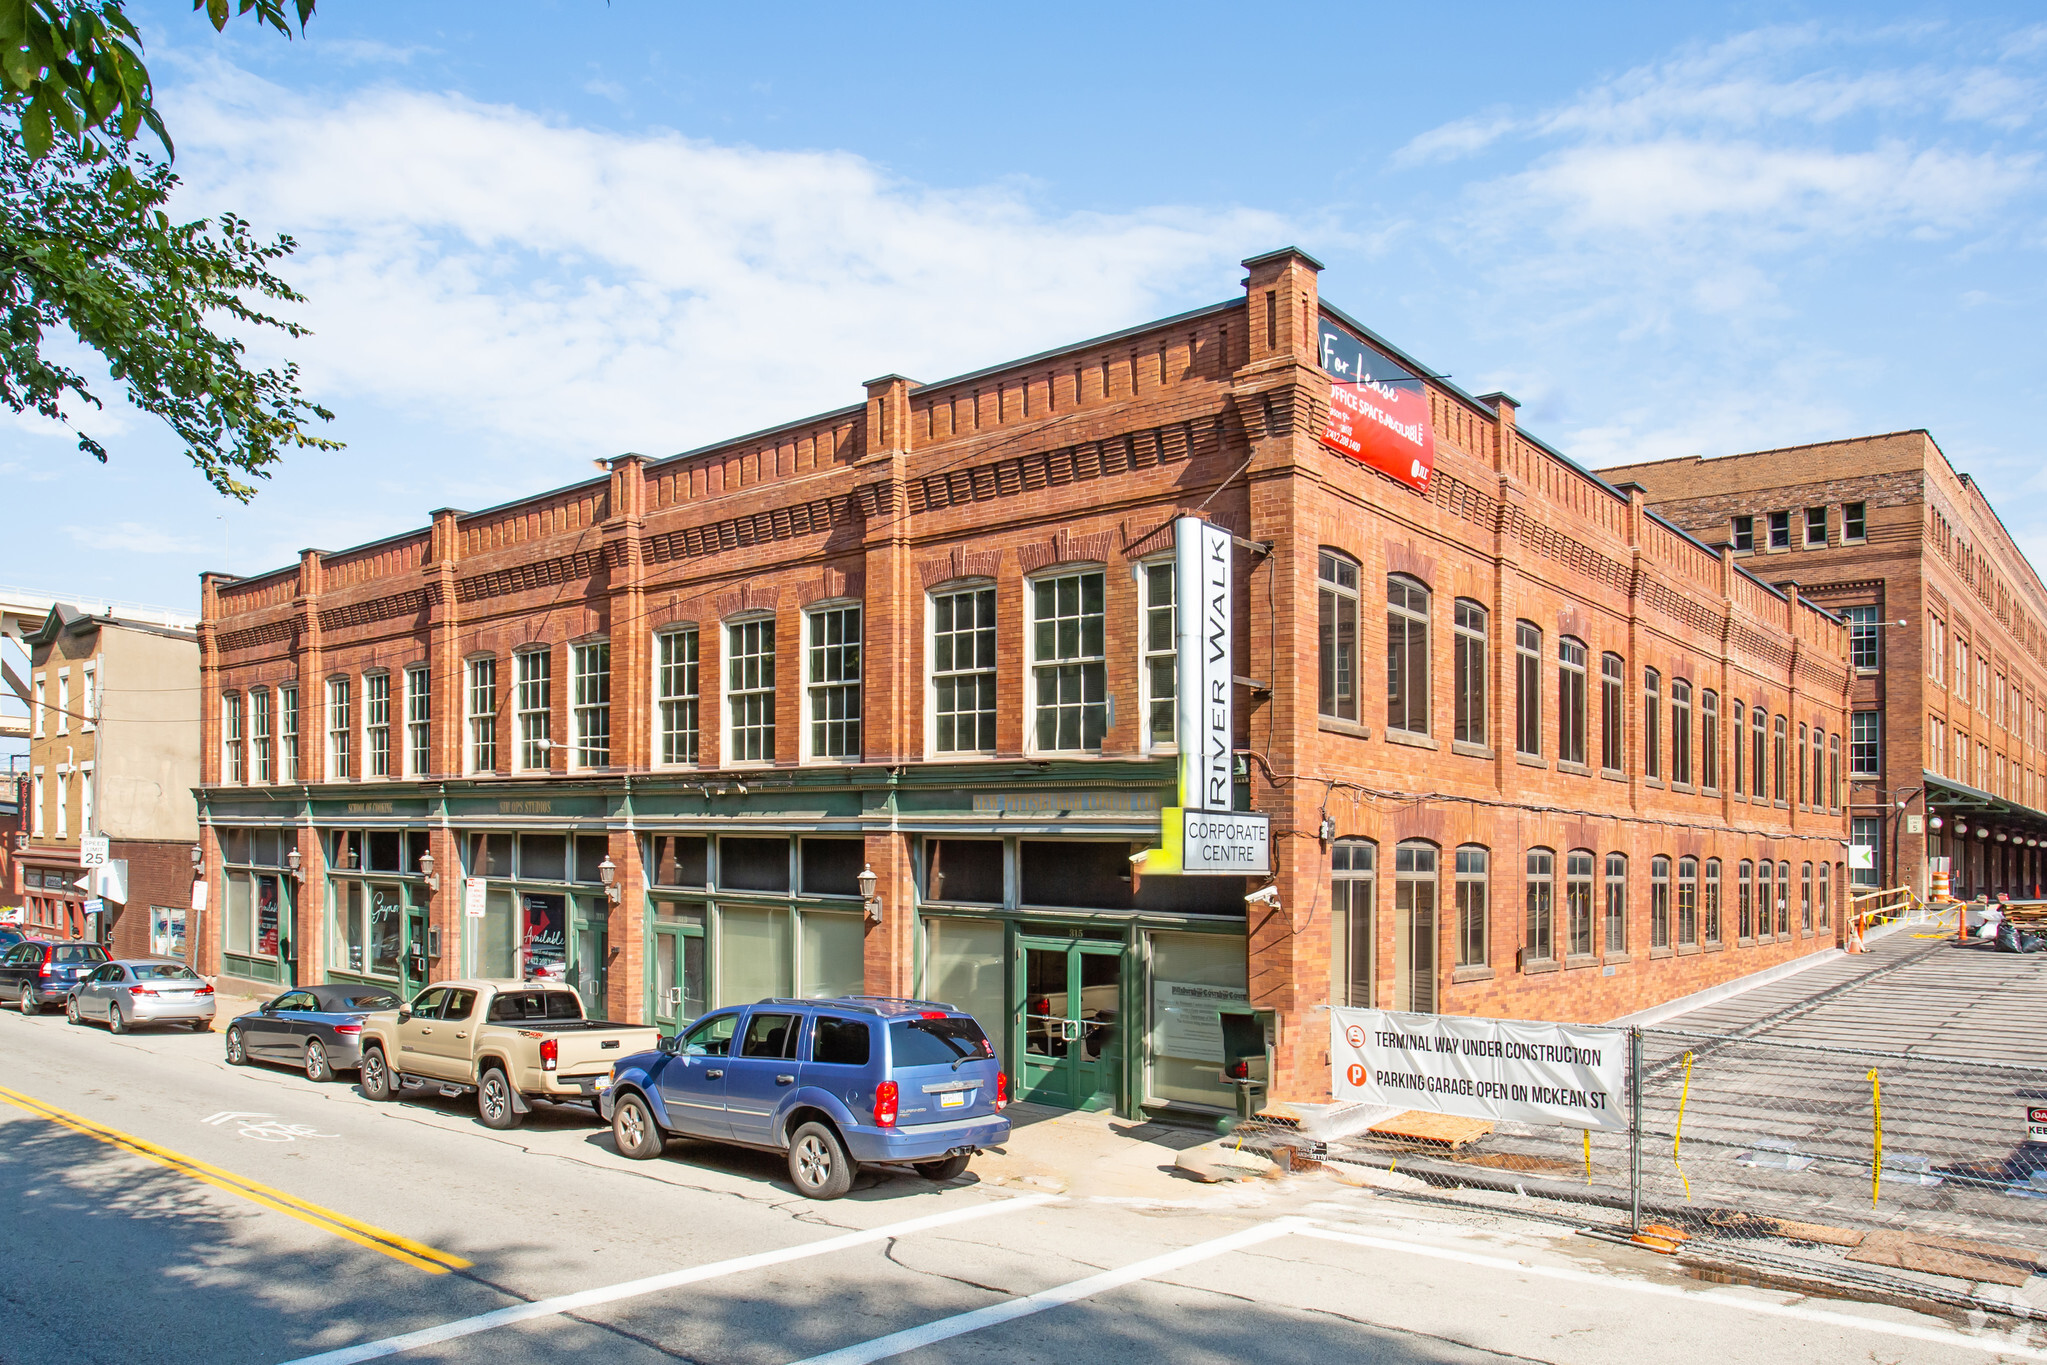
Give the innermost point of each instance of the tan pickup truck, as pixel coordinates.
(508, 1042)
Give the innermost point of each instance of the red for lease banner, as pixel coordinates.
(1378, 413)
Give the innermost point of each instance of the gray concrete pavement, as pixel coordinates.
(117, 1256)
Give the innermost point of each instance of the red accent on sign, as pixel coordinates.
(1385, 427)
(1355, 1035)
(1356, 1074)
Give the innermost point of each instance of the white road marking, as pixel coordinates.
(896, 1343)
(266, 1127)
(1995, 1345)
(654, 1284)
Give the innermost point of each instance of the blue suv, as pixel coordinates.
(835, 1084)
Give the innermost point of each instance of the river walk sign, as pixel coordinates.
(1550, 1075)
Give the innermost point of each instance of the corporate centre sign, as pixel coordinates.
(1378, 412)
(1554, 1075)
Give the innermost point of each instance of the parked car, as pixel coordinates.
(318, 1028)
(39, 971)
(833, 1084)
(142, 990)
(9, 937)
(511, 1043)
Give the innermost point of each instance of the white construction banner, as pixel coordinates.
(1553, 1075)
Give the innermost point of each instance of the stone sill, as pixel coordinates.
(1342, 727)
(1412, 740)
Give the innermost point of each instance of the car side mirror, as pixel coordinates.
(670, 1044)
(404, 1014)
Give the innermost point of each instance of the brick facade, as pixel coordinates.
(1071, 462)
(1934, 560)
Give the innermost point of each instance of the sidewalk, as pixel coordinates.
(1092, 1155)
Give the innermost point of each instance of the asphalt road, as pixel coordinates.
(163, 1207)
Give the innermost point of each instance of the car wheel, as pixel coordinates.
(634, 1131)
(949, 1169)
(376, 1076)
(494, 1102)
(317, 1069)
(115, 1023)
(71, 1014)
(237, 1054)
(818, 1164)
(29, 1004)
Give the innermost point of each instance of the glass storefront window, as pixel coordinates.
(1192, 976)
(964, 968)
(968, 870)
(544, 936)
(497, 936)
(543, 858)
(240, 936)
(834, 954)
(754, 954)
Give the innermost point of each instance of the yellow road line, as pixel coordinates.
(416, 1254)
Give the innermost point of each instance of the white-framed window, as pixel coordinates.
(750, 691)
(288, 731)
(63, 701)
(88, 697)
(592, 704)
(963, 670)
(231, 738)
(1862, 637)
(63, 804)
(481, 716)
(1863, 743)
(340, 728)
(262, 768)
(85, 798)
(376, 724)
(1069, 662)
(1744, 534)
(35, 706)
(832, 682)
(532, 702)
(419, 713)
(1158, 672)
(678, 695)
(36, 819)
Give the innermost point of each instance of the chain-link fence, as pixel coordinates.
(1909, 1175)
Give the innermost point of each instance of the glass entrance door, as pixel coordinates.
(587, 962)
(678, 973)
(413, 968)
(1072, 1044)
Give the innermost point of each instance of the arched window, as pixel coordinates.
(1353, 865)
(1652, 724)
(1571, 701)
(1616, 902)
(1659, 902)
(1414, 926)
(1681, 732)
(1407, 655)
(1783, 899)
(1578, 902)
(962, 669)
(1805, 897)
(1611, 673)
(1709, 740)
(1759, 755)
(1779, 776)
(1474, 932)
(1766, 897)
(1745, 920)
(1739, 748)
(1337, 634)
(1540, 943)
(1826, 895)
(1469, 643)
(1712, 900)
(1528, 688)
(1688, 902)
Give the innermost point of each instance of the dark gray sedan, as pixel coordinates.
(318, 1028)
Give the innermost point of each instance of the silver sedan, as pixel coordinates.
(145, 990)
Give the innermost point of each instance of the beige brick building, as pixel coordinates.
(647, 730)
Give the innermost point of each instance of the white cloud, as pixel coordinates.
(498, 271)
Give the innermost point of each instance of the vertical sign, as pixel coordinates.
(472, 897)
(1205, 689)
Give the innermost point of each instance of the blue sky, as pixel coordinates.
(535, 234)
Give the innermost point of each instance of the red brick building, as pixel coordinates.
(1948, 640)
(647, 730)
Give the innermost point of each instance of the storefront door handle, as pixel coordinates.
(713, 1075)
(785, 1080)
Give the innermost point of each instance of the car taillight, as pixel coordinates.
(550, 1054)
(204, 990)
(348, 1028)
(1002, 1090)
(885, 1104)
(46, 971)
(140, 990)
(932, 1014)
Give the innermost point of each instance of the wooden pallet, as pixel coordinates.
(1438, 1130)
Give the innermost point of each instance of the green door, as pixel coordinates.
(1072, 1045)
(678, 975)
(589, 953)
(413, 966)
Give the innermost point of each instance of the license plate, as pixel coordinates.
(954, 1099)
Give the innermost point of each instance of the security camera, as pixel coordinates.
(1264, 895)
